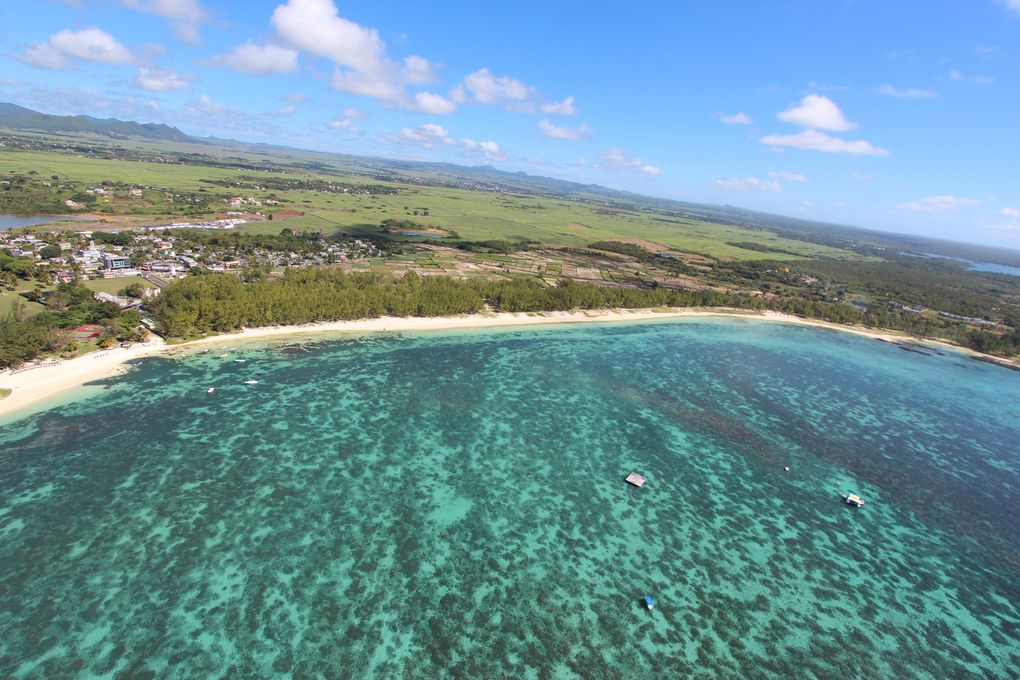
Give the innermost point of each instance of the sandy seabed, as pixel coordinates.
(32, 384)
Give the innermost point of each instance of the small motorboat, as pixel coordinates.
(649, 601)
(251, 382)
(210, 390)
(240, 361)
(852, 499)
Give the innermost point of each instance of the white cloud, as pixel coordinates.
(746, 184)
(285, 111)
(315, 26)
(418, 70)
(433, 104)
(184, 15)
(909, 93)
(351, 112)
(563, 108)
(489, 89)
(428, 135)
(205, 104)
(817, 112)
(740, 118)
(976, 80)
(296, 98)
(259, 59)
(489, 149)
(819, 141)
(1010, 212)
(89, 44)
(162, 79)
(362, 67)
(376, 85)
(344, 124)
(935, 204)
(791, 176)
(616, 160)
(577, 134)
(1013, 5)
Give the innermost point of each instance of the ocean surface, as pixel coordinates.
(452, 505)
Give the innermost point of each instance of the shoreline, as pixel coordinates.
(30, 385)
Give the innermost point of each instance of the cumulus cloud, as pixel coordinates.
(428, 135)
(791, 176)
(205, 104)
(577, 134)
(937, 204)
(362, 65)
(344, 124)
(90, 44)
(740, 118)
(489, 89)
(909, 93)
(162, 79)
(1010, 212)
(185, 15)
(489, 149)
(418, 70)
(433, 136)
(434, 104)
(259, 59)
(351, 112)
(819, 141)
(616, 160)
(817, 112)
(976, 80)
(483, 87)
(746, 184)
(563, 108)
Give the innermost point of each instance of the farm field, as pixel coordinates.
(474, 215)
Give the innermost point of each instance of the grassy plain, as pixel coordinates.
(113, 286)
(475, 215)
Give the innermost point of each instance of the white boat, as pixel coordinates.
(210, 390)
(239, 361)
(852, 499)
(251, 382)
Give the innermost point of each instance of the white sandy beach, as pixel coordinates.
(32, 384)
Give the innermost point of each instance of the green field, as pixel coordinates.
(114, 286)
(474, 215)
(11, 298)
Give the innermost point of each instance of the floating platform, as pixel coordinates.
(636, 479)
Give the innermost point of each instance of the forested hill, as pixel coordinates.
(16, 117)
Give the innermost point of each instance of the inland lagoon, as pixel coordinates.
(453, 504)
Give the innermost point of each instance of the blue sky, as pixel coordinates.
(902, 116)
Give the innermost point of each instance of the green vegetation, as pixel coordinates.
(510, 242)
(71, 305)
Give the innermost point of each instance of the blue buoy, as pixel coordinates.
(649, 601)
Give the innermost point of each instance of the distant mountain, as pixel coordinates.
(16, 117)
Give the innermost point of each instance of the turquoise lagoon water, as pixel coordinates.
(453, 505)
